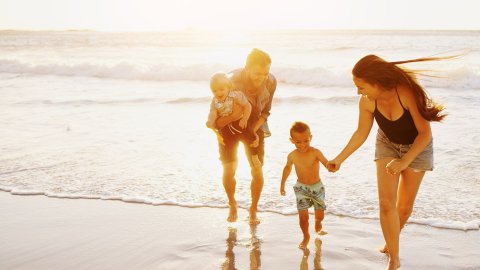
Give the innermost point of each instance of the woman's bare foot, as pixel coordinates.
(232, 215)
(393, 264)
(384, 249)
(304, 243)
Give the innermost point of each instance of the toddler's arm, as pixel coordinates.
(286, 172)
(322, 158)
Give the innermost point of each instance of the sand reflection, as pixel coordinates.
(253, 245)
(316, 258)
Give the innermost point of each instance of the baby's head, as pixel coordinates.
(220, 85)
(300, 136)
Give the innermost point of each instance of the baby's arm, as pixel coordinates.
(286, 172)
(212, 116)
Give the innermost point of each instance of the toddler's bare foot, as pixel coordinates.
(319, 233)
(304, 243)
(232, 215)
(384, 249)
(393, 264)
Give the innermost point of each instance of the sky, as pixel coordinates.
(170, 15)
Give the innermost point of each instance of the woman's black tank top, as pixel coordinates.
(402, 130)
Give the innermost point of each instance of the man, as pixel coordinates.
(256, 82)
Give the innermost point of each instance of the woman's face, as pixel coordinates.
(365, 89)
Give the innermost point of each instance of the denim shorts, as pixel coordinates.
(384, 148)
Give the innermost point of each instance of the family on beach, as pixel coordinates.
(390, 95)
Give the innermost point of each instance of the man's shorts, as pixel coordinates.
(308, 195)
(228, 152)
(384, 148)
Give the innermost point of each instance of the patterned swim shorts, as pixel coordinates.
(308, 195)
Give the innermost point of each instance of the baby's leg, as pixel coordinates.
(303, 218)
(319, 215)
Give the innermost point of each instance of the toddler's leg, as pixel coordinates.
(319, 214)
(303, 218)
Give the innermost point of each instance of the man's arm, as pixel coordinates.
(225, 120)
(271, 87)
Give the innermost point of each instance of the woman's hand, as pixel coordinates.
(396, 166)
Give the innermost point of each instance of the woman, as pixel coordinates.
(403, 149)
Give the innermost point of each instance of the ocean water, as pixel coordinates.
(121, 116)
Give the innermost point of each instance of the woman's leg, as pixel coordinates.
(407, 192)
(387, 198)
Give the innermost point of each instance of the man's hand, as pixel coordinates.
(243, 122)
(282, 191)
(255, 142)
(256, 161)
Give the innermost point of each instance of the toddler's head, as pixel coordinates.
(300, 136)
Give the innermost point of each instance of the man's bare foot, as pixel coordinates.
(393, 264)
(384, 249)
(253, 219)
(232, 215)
(304, 243)
(321, 233)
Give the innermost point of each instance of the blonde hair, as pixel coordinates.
(220, 79)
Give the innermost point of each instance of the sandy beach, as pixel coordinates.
(49, 233)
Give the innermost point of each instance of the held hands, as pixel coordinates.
(396, 166)
(333, 165)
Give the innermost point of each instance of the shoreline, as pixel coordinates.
(52, 233)
(456, 226)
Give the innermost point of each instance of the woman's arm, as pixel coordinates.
(423, 127)
(365, 122)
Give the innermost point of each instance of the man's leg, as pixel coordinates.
(229, 184)
(228, 156)
(256, 185)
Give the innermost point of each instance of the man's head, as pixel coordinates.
(257, 67)
(220, 85)
(300, 136)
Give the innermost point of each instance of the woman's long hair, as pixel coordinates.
(388, 75)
